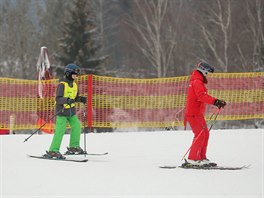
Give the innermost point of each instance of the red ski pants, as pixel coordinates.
(201, 137)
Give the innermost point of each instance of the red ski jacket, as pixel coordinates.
(197, 96)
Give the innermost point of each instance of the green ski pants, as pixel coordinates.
(60, 130)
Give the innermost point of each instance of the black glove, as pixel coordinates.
(83, 100)
(220, 103)
(70, 101)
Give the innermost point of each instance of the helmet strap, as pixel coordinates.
(69, 76)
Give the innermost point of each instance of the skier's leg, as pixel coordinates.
(75, 131)
(59, 132)
(199, 135)
(205, 139)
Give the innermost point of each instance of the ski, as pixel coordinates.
(56, 159)
(208, 168)
(106, 153)
(168, 167)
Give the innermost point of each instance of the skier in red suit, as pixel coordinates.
(197, 98)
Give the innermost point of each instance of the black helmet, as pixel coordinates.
(205, 68)
(71, 69)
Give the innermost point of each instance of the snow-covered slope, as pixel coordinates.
(131, 167)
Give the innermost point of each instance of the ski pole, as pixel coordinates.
(217, 113)
(84, 133)
(212, 122)
(43, 124)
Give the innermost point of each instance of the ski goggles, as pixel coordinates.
(76, 71)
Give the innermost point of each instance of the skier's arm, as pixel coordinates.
(201, 93)
(80, 98)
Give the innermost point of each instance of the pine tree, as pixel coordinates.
(79, 44)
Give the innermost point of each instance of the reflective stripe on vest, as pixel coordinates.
(70, 92)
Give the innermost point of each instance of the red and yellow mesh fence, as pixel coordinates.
(123, 102)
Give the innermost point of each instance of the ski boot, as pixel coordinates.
(75, 151)
(209, 163)
(53, 154)
(194, 163)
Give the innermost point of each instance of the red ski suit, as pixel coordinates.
(197, 97)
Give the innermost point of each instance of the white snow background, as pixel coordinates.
(131, 169)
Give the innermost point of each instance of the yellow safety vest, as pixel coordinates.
(70, 92)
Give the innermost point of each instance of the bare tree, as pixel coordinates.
(248, 35)
(215, 28)
(163, 38)
(17, 40)
(255, 13)
(107, 18)
(154, 41)
(50, 15)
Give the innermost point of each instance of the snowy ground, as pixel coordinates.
(131, 168)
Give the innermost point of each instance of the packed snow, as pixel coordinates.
(131, 169)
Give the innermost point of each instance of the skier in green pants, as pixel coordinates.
(66, 97)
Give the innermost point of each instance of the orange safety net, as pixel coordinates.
(123, 102)
(20, 104)
(119, 102)
(22, 108)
